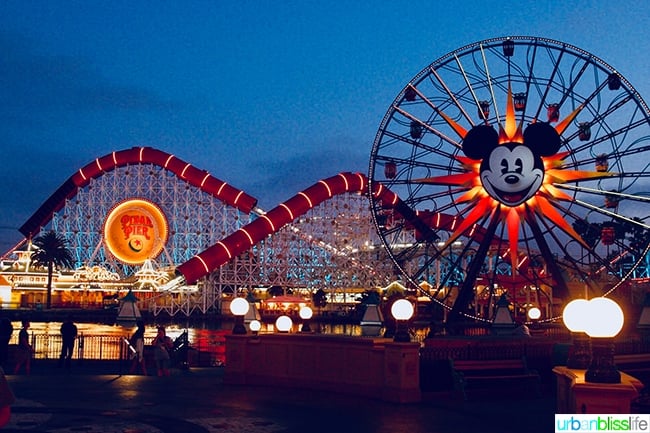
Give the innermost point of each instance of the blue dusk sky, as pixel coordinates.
(270, 96)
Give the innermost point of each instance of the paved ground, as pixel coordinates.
(196, 401)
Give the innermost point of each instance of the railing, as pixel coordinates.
(111, 348)
(98, 347)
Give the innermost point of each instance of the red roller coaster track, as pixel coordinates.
(272, 221)
(137, 155)
(251, 234)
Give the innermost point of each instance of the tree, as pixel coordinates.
(319, 299)
(275, 291)
(51, 250)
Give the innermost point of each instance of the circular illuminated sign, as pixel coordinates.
(135, 230)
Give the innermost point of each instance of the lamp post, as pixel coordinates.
(239, 307)
(574, 316)
(402, 311)
(305, 314)
(283, 324)
(534, 313)
(605, 321)
(255, 326)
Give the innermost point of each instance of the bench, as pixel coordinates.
(488, 374)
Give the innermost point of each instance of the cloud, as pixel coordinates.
(280, 180)
(38, 85)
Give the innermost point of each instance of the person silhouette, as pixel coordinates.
(6, 331)
(24, 352)
(137, 342)
(68, 336)
(162, 345)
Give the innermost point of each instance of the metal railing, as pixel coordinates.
(94, 347)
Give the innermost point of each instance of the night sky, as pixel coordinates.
(270, 96)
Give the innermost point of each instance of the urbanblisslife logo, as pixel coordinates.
(630, 423)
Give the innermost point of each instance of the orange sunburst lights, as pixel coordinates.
(513, 222)
(462, 132)
(510, 132)
(562, 126)
(482, 207)
(504, 137)
(551, 191)
(468, 163)
(480, 204)
(471, 195)
(462, 179)
(563, 176)
(545, 208)
(554, 161)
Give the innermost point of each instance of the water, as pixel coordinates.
(196, 331)
(103, 341)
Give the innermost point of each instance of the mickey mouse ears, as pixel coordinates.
(540, 137)
(479, 141)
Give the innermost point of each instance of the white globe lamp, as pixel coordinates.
(283, 323)
(575, 316)
(305, 314)
(402, 310)
(605, 321)
(239, 307)
(255, 326)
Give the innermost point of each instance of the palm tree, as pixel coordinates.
(51, 250)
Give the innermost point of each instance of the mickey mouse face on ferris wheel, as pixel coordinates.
(511, 172)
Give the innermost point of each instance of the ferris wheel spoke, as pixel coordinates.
(452, 97)
(425, 125)
(419, 145)
(469, 86)
(454, 125)
(403, 162)
(576, 79)
(428, 198)
(618, 195)
(549, 84)
(608, 213)
(489, 82)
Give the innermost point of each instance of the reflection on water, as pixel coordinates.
(195, 332)
(102, 341)
(98, 329)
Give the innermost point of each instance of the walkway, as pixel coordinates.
(196, 401)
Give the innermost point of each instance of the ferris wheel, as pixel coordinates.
(521, 164)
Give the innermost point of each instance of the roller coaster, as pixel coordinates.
(320, 238)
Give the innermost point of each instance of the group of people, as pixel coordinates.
(24, 349)
(162, 346)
